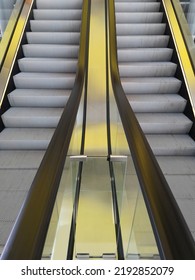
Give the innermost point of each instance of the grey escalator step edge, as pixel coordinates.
(32, 117)
(58, 65)
(140, 28)
(154, 85)
(146, 103)
(39, 97)
(68, 38)
(21, 159)
(164, 123)
(25, 138)
(137, 7)
(138, 17)
(144, 41)
(44, 80)
(171, 144)
(46, 14)
(147, 69)
(59, 4)
(41, 50)
(55, 25)
(144, 54)
(177, 165)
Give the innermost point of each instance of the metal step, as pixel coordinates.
(38, 97)
(44, 80)
(137, 6)
(57, 14)
(147, 69)
(55, 25)
(152, 85)
(171, 145)
(32, 117)
(164, 123)
(144, 41)
(47, 65)
(25, 138)
(153, 103)
(58, 4)
(65, 38)
(144, 54)
(42, 50)
(140, 28)
(138, 17)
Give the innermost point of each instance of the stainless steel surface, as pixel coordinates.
(96, 134)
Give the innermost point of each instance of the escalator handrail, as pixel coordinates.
(28, 235)
(172, 234)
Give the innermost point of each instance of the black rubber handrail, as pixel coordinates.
(27, 238)
(172, 234)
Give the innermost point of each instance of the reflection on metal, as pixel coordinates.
(96, 131)
(187, 68)
(13, 48)
(142, 257)
(86, 256)
(78, 158)
(95, 231)
(118, 158)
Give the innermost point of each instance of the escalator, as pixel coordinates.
(44, 76)
(98, 201)
(152, 80)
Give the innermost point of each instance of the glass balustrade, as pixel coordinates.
(9, 14)
(185, 12)
(137, 233)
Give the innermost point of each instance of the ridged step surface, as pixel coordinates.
(50, 65)
(38, 97)
(159, 123)
(137, 7)
(25, 138)
(59, 4)
(47, 74)
(138, 17)
(150, 69)
(32, 117)
(57, 14)
(44, 80)
(41, 88)
(171, 145)
(56, 51)
(54, 25)
(144, 54)
(137, 41)
(167, 103)
(141, 28)
(60, 38)
(149, 78)
(149, 85)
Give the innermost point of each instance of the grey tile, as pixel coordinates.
(20, 159)
(177, 165)
(10, 204)
(188, 209)
(5, 229)
(182, 186)
(13, 180)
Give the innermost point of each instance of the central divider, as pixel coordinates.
(95, 227)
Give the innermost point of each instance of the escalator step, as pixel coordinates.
(39, 97)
